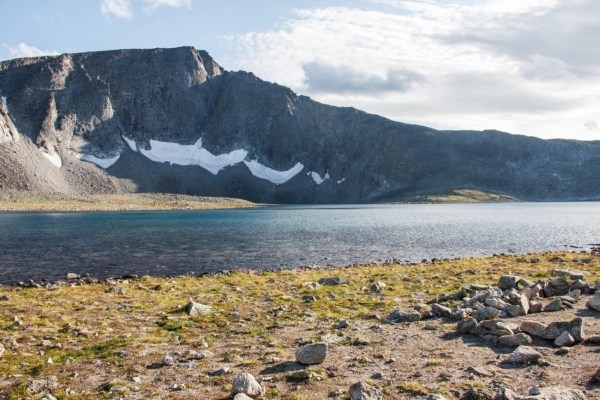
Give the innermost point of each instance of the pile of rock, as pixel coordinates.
(482, 310)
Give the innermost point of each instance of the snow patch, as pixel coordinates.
(277, 177)
(175, 153)
(132, 144)
(101, 162)
(340, 181)
(53, 158)
(317, 178)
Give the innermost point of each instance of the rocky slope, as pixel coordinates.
(172, 120)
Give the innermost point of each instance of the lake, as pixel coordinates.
(36, 245)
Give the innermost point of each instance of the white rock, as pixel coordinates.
(522, 355)
(241, 396)
(533, 327)
(546, 393)
(565, 339)
(194, 309)
(246, 384)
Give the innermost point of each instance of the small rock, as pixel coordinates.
(311, 285)
(555, 305)
(343, 324)
(515, 311)
(597, 376)
(497, 303)
(479, 331)
(71, 276)
(533, 327)
(508, 282)
(466, 325)
(565, 339)
(401, 316)
(241, 396)
(594, 339)
(519, 339)
(535, 307)
(168, 361)
(546, 393)
(4, 298)
(480, 371)
(245, 383)
(378, 286)
(313, 353)
(594, 302)
(363, 391)
(441, 310)
(49, 361)
(235, 314)
(219, 372)
(523, 355)
(194, 309)
(555, 329)
(487, 313)
(117, 290)
(476, 393)
(333, 281)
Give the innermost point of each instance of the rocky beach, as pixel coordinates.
(502, 327)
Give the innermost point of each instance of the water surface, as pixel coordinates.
(48, 244)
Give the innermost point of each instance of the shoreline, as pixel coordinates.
(132, 336)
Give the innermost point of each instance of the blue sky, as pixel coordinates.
(527, 67)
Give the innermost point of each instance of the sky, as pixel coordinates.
(529, 67)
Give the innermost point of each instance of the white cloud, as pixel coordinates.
(591, 125)
(124, 8)
(154, 4)
(118, 8)
(24, 50)
(504, 64)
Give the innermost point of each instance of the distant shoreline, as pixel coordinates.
(12, 200)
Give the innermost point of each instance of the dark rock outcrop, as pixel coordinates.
(108, 107)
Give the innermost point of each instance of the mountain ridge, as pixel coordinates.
(173, 120)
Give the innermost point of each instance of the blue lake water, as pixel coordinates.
(48, 245)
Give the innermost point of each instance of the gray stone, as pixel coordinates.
(594, 302)
(535, 307)
(561, 272)
(168, 361)
(343, 323)
(247, 384)
(523, 355)
(401, 316)
(533, 327)
(313, 353)
(520, 339)
(333, 281)
(194, 309)
(42, 385)
(363, 391)
(508, 282)
(71, 276)
(555, 305)
(242, 396)
(311, 285)
(479, 331)
(525, 283)
(476, 393)
(466, 325)
(117, 289)
(487, 313)
(565, 339)
(441, 310)
(555, 329)
(545, 393)
(515, 311)
(497, 303)
(378, 286)
(594, 339)
(462, 313)
(575, 275)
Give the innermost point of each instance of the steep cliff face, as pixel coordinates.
(172, 120)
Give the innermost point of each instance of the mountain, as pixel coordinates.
(173, 120)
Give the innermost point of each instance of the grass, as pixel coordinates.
(88, 323)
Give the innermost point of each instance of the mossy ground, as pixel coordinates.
(81, 327)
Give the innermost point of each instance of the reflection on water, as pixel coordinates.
(48, 245)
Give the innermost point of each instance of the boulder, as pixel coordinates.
(487, 313)
(565, 339)
(520, 339)
(313, 353)
(466, 325)
(555, 329)
(194, 309)
(545, 393)
(523, 355)
(508, 282)
(401, 316)
(246, 384)
(363, 391)
(333, 281)
(533, 327)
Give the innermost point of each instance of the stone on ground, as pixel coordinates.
(242, 396)
(363, 391)
(194, 309)
(466, 325)
(519, 339)
(487, 313)
(246, 384)
(533, 327)
(333, 281)
(594, 302)
(523, 355)
(313, 353)
(401, 316)
(441, 310)
(555, 305)
(546, 393)
(478, 394)
(565, 339)
(508, 282)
